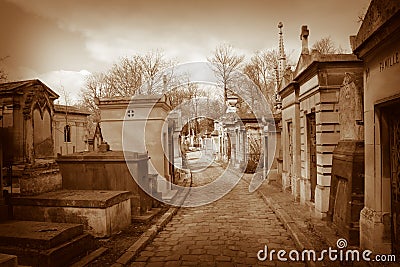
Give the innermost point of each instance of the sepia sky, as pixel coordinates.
(62, 41)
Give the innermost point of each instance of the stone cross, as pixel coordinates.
(304, 40)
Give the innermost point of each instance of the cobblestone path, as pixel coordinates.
(228, 232)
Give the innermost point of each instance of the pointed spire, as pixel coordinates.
(282, 55)
(279, 70)
(276, 78)
(277, 97)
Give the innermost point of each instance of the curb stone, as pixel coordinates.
(148, 236)
(300, 240)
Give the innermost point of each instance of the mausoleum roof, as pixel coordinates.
(70, 109)
(13, 87)
(381, 14)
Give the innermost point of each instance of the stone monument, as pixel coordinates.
(347, 188)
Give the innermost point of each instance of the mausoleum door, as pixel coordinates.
(312, 153)
(394, 124)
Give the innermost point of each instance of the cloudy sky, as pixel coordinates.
(61, 41)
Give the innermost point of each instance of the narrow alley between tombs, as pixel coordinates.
(227, 232)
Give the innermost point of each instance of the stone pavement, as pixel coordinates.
(227, 232)
(307, 231)
(318, 234)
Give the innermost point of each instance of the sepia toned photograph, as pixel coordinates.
(200, 133)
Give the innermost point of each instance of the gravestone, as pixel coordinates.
(347, 188)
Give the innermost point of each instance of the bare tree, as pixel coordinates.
(122, 79)
(96, 87)
(153, 67)
(183, 92)
(261, 71)
(139, 74)
(125, 77)
(225, 62)
(326, 46)
(3, 73)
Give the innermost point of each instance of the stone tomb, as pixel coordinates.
(42, 243)
(347, 185)
(99, 211)
(102, 213)
(109, 171)
(143, 123)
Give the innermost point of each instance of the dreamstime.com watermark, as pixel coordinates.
(333, 254)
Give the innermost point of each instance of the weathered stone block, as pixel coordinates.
(303, 171)
(295, 187)
(375, 231)
(109, 171)
(40, 178)
(305, 190)
(321, 200)
(323, 180)
(347, 188)
(325, 107)
(325, 149)
(102, 213)
(328, 138)
(286, 180)
(324, 159)
(328, 97)
(44, 244)
(327, 117)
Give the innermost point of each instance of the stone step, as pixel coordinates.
(101, 212)
(7, 260)
(44, 243)
(40, 235)
(62, 255)
(146, 217)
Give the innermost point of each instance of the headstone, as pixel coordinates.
(347, 184)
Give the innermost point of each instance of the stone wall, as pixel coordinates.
(291, 148)
(78, 126)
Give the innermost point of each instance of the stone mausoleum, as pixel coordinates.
(70, 130)
(140, 124)
(310, 123)
(377, 43)
(57, 212)
(27, 116)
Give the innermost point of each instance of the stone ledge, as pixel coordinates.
(74, 198)
(7, 260)
(108, 156)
